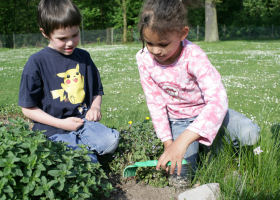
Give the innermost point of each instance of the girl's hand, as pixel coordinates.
(93, 114)
(175, 151)
(71, 123)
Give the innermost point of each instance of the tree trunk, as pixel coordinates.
(211, 24)
(124, 21)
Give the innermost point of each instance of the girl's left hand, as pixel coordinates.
(93, 114)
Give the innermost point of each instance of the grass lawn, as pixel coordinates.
(250, 71)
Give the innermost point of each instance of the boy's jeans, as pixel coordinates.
(97, 137)
(239, 129)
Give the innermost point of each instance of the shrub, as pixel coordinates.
(32, 167)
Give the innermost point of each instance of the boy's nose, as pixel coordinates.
(69, 42)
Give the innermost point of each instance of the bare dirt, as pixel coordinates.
(130, 190)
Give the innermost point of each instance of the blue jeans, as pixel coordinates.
(239, 130)
(95, 136)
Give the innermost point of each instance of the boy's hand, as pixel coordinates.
(72, 123)
(93, 114)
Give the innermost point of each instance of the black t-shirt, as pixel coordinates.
(62, 86)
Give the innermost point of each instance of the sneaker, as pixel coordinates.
(179, 182)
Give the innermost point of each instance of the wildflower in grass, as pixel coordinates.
(257, 150)
(130, 122)
(147, 118)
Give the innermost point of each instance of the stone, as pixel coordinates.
(210, 191)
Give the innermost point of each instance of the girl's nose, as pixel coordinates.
(156, 50)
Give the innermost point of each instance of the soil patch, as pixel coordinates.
(131, 190)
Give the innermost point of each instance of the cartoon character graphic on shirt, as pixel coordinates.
(72, 86)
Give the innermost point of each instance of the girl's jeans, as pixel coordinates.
(97, 137)
(239, 130)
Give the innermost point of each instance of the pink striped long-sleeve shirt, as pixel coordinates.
(187, 88)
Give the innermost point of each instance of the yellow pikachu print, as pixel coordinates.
(72, 86)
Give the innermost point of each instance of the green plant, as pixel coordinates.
(139, 143)
(33, 167)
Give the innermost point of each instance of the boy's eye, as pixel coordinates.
(77, 73)
(68, 76)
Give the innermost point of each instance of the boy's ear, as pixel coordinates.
(185, 32)
(43, 33)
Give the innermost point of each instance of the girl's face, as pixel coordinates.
(165, 48)
(64, 40)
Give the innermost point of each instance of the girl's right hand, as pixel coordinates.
(71, 123)
(167, 143)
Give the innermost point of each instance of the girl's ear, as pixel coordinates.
(43, 33)
(185, 32)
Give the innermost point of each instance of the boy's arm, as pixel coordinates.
(38, 115)
(94, 113)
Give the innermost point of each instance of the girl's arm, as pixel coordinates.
(38, 115)
(155, 99)
(210, 119)
(94, 113)
(174, 151)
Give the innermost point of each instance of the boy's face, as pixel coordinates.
(65, 40)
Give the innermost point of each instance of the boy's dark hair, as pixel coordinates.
(162, 16)
(55, 14)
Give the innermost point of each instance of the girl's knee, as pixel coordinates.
(250, 135)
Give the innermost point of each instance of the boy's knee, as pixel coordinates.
(112, 141)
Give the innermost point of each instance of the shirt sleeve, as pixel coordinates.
(209, 81)
(31, 90)
(155, 102)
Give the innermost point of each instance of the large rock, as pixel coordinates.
(210, 191)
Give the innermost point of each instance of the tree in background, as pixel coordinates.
(96, 14)
(263, 12)
(127, 16)
(123, 5)
(211, 23)
(17, 17)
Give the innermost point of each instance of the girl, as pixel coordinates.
(184, 92)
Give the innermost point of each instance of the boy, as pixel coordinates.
(60, 88)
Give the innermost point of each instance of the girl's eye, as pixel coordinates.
(163, 45)
(77, 73)
(68, 76)
(149, 44)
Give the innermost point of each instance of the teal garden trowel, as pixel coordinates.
(131, 169)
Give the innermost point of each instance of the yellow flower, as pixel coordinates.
(130, 122)
(147, 118)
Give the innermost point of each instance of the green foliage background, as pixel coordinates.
(20, 16)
